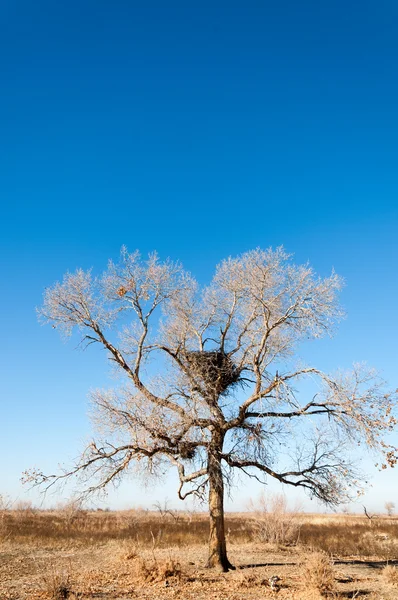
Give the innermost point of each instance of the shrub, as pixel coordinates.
(151, 571)
(57, 585)
(390, 574)
(247, 579)
(274, 523)
(317, 574)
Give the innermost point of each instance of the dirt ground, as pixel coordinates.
(116, 570)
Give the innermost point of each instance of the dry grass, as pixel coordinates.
(100, 526)
(352, 536)
(151, 571)
(50, 555)
(390, 575)
(273, 523)
(57, 584)
(337, 535)
(317, 574)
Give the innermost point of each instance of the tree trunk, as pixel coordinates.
(217, 544)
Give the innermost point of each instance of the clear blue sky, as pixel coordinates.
(200, 130)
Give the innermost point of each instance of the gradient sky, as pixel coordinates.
(199, 130)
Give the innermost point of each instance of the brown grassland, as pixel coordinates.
(147, 555)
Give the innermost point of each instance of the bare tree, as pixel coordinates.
(211, 383)
(370, 516)
(390, 507)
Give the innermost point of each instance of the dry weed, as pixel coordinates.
(247, 580)
(390, 574)
(317, 574)
(57, 585)
(339, 536)
(125, 550)
(169, 568)
(273, 523)
(131, 554)
(155, 571)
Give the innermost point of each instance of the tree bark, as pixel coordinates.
(217, 544)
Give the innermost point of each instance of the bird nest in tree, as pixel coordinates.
(215, 370)
(187, 450)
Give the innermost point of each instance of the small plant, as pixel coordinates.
(318, 575)
(57, 585)
(169, 569)
(131, 554)
(390, 574)
(151, 571)
(247, 580)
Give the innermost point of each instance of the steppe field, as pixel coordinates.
(148, 555)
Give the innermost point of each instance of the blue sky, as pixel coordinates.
(200, 131)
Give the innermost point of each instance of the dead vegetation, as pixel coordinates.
(390, 574)
(57, 584)
(317, 574)
(52, 555)
(270, 523)
(273, 523)
(155, 571)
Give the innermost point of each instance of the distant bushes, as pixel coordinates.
(94, 526)
(343, 536)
